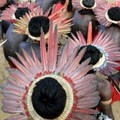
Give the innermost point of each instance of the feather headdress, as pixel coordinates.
(103, 13)
(58, 18)
(79, 4)
(9, 13)
(2, 2)
(79, 87)
(110, 51)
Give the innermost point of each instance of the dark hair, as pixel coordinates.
(36, 23)
(48, 98)
(114, 13)
(86, 12)
(88, 3)
(91, 52)
(21, 11)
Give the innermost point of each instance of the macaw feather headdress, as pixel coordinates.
(107, 15)
(58, 18)
(110, 51)
(80, 4)
(2, 2)
(9, 13)
(80, 88)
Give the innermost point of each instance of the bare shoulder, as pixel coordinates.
(105, 89)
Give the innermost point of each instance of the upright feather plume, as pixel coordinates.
(89, 38)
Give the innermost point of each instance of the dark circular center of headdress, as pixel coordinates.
(21, 11)
(114, 13)
(35, 25)
(49, 98)
(88, 3)
(91, 52)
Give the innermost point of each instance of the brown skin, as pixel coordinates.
(115, 80)
(116, 76)
(13, 42)
(104, 87)
(81, 22)
(114, 32)
(107, 110)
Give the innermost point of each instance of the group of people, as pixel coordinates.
(64, 58)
